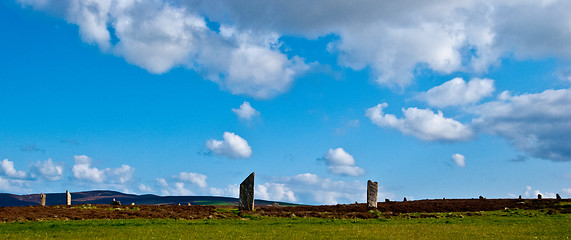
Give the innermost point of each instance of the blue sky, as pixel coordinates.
(430, 98)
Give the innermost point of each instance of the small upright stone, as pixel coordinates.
(404, 200)
(42, 199)
(276, 204)
(372, 189)
(67, 198)
(247, 193)
(481, 198)
(115, 203)
(387, 200)
(188, 204)
(539, 196)
(557, 196)
(520, 197)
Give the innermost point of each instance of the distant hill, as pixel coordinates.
(105, 197)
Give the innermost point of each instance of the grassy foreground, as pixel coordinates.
(517, 224)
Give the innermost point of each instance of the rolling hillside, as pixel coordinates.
(105, 197)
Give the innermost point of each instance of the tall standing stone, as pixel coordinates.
(67, 198)
(42, 199)
(247, 193)
(372, 189)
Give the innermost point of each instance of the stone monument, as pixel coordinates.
(247, 193)
(42, 199)
(372, 189)
(67, 198)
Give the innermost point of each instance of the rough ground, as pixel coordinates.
(100, 211)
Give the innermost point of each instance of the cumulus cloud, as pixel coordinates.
(14, 185)
(537, 124)
(233, 146)
(458, 92)
(421, 123)
(459, 159)
(82, 170)
(232, 190)
(48, 170)
(311, 188)
(177, 190)
(7, 169)
(342, 163)
(246, 111)
(160, 35)
(395, 38)
(275, 192)
(194, 178)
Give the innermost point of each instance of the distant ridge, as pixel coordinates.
(105, 197)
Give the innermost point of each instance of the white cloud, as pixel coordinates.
(120, 175)
(160, 35)
(246, 111)
(177, 190)
(14, 185)
(342, 163)
(7, 169)
(233, 146)
(47, 170)
(537, 124)
(194, 178)
(232, 190)
(459, 159)
(338, 156)
(395, 38)
(162, 182)
(532, 193)
(421, 123)
(310, 188)
(82, 170)
(458, 92)
(307, 178)
(274, 192)
(144, 188)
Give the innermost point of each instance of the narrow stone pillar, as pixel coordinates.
(67, 198)
(42, 199)
(372, 189)
(247, 193)
(539, 196)
(557, 196)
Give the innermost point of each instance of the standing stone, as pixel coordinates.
(404, 200)
(372, 189)
(557, 196)
(42, 199)
(539, 196)
(68, 198)
(247, 193)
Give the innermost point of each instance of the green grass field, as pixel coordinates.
(517, 224)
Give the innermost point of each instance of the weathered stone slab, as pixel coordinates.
(247, 193)
(115, 203)
(372, 189)
(42, 199)
(68, 198)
